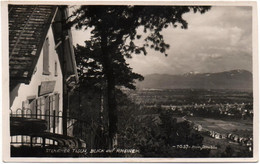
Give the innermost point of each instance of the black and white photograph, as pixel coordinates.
(130, 81)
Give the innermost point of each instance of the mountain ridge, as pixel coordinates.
(234, 79)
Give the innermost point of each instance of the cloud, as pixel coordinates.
(218, 40)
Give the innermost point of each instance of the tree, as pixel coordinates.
(114, 29)
(228, 151)
(91, 71)
(93, 86)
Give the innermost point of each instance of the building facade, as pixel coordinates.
(42, 72)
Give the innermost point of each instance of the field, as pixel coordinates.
(189, 96)
(224, 126)
(243, 128)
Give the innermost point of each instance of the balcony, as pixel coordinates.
(32, 134)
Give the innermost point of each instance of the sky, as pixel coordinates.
(219, 40)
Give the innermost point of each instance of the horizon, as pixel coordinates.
(200, 72)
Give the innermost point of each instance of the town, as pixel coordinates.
(230, 122)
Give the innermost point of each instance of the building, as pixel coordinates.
(42, 72)
(198, 127)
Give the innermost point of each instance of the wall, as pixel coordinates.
(23, 91)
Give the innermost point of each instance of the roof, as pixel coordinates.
(28, 27)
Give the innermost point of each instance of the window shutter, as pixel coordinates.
(47, 111)
(33, 108)
(39, 108)
(51, 99)
(57, 100)
(46, 57)
(56, 68)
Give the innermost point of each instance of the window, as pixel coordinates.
(32, 106)
(46, 57)
(48, 110)
(55, 69)
(44, 108)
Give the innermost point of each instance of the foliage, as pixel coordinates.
(121, 23)
(91, 73)
(114, 29)
(86, 107)
(155, 132)
(228, 151)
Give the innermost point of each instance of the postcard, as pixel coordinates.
(130, 81)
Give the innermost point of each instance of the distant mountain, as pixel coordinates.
(234, 79)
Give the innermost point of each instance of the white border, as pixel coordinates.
(5, 81)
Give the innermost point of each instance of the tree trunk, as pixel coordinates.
(111, 95)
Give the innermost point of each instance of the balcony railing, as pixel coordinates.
(40, 128)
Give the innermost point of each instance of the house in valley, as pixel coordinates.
(43, 73)
(197, 127)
